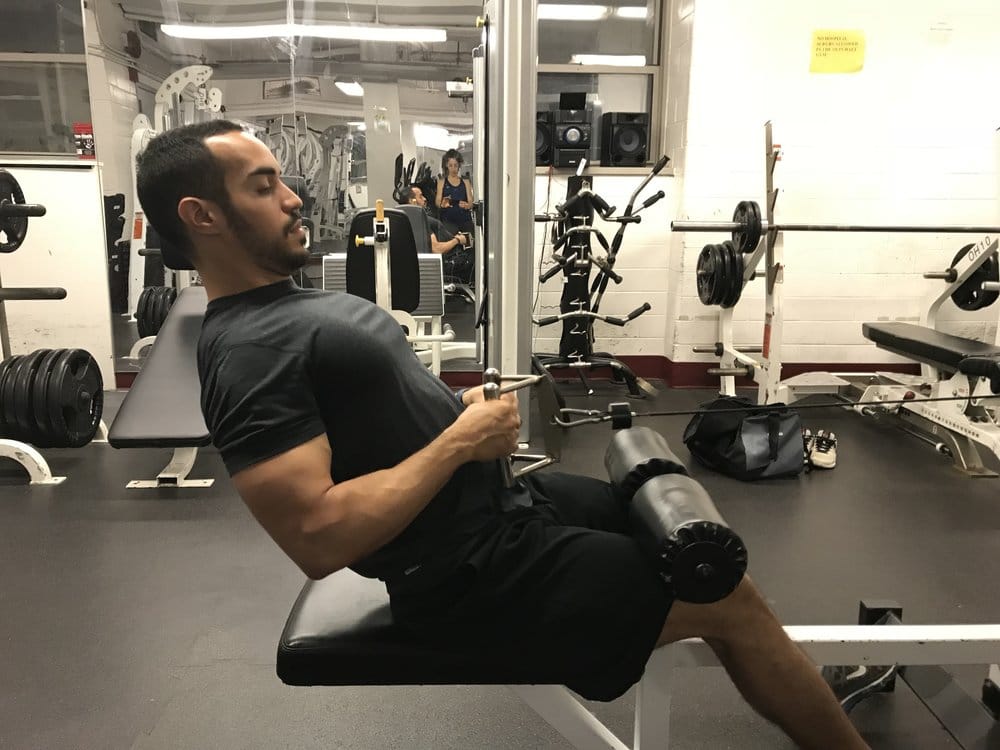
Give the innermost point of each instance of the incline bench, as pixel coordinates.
(162, 409)
(941, 350)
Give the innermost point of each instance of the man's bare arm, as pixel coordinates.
(324, 527)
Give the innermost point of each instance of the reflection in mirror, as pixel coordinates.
(389, 111)
(340, 92)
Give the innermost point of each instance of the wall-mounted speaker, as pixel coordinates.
(624, 139)
(543, 139)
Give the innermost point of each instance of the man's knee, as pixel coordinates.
(738, 614)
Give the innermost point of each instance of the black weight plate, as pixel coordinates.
(23, 396)
(970, 295)
(171, 298)
(162, 305)
(155, 305)
(714, 275)
(5, 366)
(735, 287)
(75, 397)
(7, 398)
(746, 239)
(991, 272)
(39, 398)
(14, 227)
(731, 288)
(708, 273)
(142, 313)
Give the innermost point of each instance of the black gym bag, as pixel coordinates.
(736, 437)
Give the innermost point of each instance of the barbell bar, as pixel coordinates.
(734, 226)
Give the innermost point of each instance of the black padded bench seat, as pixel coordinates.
(340, 632)
(942, 350)
(162, 409)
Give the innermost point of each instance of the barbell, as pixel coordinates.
(14, 213)
(747, 227)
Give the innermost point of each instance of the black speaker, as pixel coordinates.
(571, 140)
(543, 139)
(624, 139)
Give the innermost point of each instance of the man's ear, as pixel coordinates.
(200, 216)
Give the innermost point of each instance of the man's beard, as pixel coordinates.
(271, 254)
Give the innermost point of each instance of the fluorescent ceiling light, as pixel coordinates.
(358, 125)
(435, 137)
(362, 32)
(624, 61)
(351, 88)
(550, 12)
(632, 11)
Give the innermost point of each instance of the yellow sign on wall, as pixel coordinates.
(837, 51)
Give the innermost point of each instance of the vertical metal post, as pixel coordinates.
(774, 268)
(4, 333)
(511, 74)
(479, 170)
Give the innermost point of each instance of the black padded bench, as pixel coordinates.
(941, 350)
(162, 409)
(340, 633)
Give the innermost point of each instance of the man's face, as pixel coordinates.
(263, 213)
(417, 197)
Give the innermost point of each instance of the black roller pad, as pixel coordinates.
(675, 522)
(637, 454)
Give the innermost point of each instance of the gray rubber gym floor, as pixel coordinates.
(149, 619)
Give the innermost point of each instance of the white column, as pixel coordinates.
(382, 139)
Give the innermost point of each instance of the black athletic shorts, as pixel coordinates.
(559, 587)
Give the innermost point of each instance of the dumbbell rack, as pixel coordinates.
(12, 211)
(580, 299)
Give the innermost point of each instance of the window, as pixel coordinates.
(39, 102)
(609, 51)
(46, 26)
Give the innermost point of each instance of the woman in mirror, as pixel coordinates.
(454, 195)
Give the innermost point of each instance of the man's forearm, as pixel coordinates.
(362, 514)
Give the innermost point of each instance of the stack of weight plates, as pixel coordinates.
(51, 398)
(154, 304)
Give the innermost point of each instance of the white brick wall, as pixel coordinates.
(643, 263)
(910, 139)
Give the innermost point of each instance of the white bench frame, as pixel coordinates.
(911, 645)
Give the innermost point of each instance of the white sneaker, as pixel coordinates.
(824, 450)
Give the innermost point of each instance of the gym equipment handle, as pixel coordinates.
(147, 251)
(652, 199)
(950, 275)
(660, 164)
(547, 321)
(32, 293)
(491, 392)
(17, 210)
(550, 273)
(731, 226)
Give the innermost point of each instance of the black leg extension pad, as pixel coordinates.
(673, 518)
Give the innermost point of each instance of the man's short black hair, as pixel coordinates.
(177, 164)
(406, 195)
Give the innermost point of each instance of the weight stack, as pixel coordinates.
(51, 398)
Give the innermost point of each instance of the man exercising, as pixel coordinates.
(442, 241)
(350, 453)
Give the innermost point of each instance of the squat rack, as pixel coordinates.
(765, 237)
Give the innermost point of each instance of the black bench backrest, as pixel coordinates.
(404, 272)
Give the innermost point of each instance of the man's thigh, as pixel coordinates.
(573, 500)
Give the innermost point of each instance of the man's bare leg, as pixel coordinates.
(770, 671)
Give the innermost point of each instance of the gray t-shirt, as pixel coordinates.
(280, 365)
